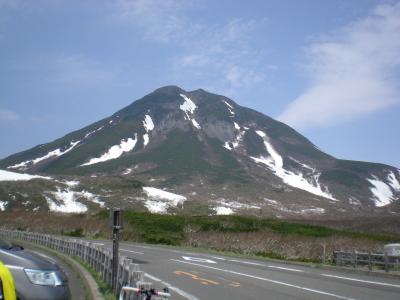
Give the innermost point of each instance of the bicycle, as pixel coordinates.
(144, 294)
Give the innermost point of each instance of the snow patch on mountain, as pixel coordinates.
(93, 131)
(23, 165)
(382, 194)
(231, 145)
(312, 211)
(393, 182)
(13, 176)
(146, 139)
(159, 201)
(188, 107)
(195, 124)
(225, 207)
(222, 210)
(66, 202)
(297, 211)
(301, 164)
(91, 197)
(114, 151)
(3, 205)
(72, 183)
(127, 171)
(275, 163)
(148, 126)
(230, 108)
(148, 123)
(354, 201)
(237, 127)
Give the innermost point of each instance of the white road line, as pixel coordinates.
(266, 279)
(247, 262)
(287, 269)
(131, 251)
(365, 281)
(173, 288)
(100, 244)
(216, 257)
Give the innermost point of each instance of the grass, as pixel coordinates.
(104, 288)
(170, 229)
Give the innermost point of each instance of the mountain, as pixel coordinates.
(197, 152)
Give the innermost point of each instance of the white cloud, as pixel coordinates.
(8, 115)
(352, 72)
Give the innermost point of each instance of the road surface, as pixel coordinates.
(191, 275)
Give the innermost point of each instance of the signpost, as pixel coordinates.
(116, 224)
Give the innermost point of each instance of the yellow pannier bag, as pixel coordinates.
(7, 283)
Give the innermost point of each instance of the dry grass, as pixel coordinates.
(265, 241)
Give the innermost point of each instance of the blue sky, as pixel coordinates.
(330, 69)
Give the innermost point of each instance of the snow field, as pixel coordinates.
(393, 182)
(115, 151)
(238, 139)
(230, 207)
(13, 176)
(67, 201)
(382, 194)
(188, 107)
(230, 108)
(159, 201)
(148, 126)
(275, 163)
(23, 165)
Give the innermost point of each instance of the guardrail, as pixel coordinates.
(366, 259)
(99, 258)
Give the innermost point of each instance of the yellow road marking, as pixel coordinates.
(195, 277)
(234, 284)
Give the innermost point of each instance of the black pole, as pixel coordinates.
(116, 223)
(115, 258)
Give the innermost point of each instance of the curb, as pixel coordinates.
(88, 281)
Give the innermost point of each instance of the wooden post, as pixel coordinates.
(323, 253)
(354, 259)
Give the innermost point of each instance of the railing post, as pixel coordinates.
(386, 258)
(369, 261)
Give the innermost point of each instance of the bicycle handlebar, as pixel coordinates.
(142, 291)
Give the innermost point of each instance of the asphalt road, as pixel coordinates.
(191, 275)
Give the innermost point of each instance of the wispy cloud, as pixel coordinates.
(225, 55)
(352, 72)
(217, 55)
(162, 21)
(8, 115)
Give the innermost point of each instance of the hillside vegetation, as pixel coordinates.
(247, 235)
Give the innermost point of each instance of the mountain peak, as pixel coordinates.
(169, 89)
